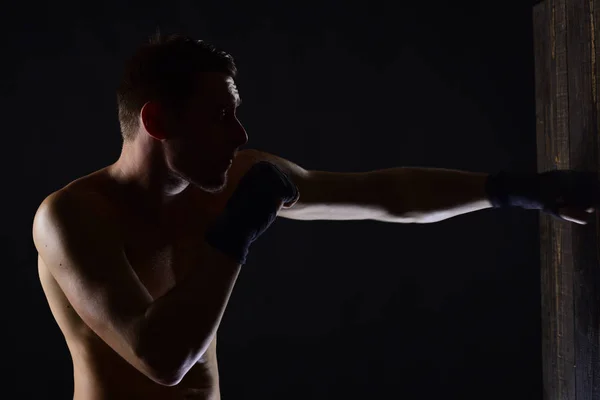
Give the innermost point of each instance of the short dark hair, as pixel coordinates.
(165, 70)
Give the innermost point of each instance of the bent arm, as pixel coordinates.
(178, 327)
(162, 338)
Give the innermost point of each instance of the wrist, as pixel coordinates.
(507, 189)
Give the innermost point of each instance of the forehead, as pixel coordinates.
(217, 88)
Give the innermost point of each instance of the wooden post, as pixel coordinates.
(567, 60)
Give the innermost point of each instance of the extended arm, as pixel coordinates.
(426, 195)
(401, 195)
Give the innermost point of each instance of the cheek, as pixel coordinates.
(207, 137)
(193, 125)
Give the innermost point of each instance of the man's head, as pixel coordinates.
(179, 94)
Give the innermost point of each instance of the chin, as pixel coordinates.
(212, 185)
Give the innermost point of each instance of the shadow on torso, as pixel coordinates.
(160, 256)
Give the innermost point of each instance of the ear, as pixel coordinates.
(153, 120)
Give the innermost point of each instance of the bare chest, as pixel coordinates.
(161, 257)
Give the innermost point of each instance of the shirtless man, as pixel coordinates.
(138, 259)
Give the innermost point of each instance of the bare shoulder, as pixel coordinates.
(71, 199)
(87, 188)
(248, 157)
(80, 202)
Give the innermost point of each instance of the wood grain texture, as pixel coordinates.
(543, 106)
(566, 49)
(583, 140)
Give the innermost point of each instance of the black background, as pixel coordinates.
(322, 310)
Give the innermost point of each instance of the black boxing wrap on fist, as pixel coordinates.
(251, 209)
(548, 191)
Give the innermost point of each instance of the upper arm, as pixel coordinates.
(81, 249)
(326, 195)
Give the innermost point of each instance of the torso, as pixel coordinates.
(160, 258)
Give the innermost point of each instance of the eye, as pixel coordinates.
(226, 114)
(221, 115)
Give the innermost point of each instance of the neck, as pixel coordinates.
(142, 170)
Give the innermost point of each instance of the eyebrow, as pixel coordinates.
(237, 101)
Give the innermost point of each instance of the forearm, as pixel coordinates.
(426, 195)
(179, 326)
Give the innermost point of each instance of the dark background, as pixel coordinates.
(322, 310)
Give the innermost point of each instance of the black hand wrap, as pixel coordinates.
(547, 191)
(251, 209)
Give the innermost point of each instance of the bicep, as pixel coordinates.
(81, 251)
(325, 195)
(340, 196)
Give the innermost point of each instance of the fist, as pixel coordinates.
(570, 195)
(565, 194)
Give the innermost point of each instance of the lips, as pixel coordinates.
(223, 162)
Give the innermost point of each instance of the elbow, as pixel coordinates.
(167, 379)
(161, 370)
(395, 215)
(410, 212)
(160, 362)
(165, 357)
(425, 218)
